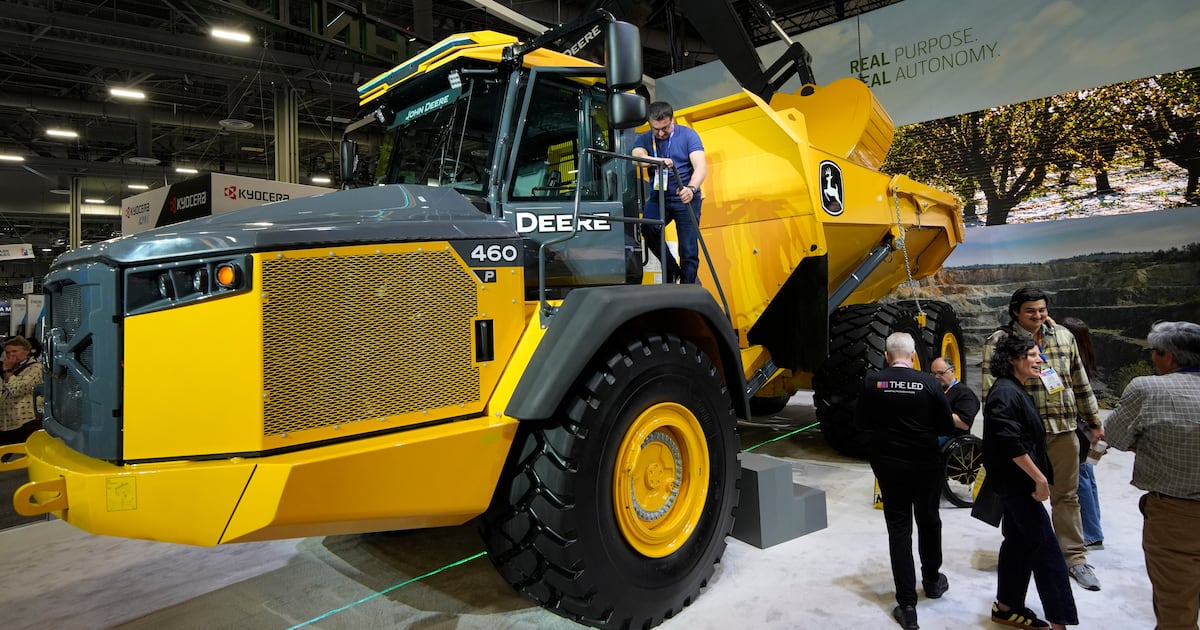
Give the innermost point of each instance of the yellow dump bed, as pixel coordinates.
(767, 205)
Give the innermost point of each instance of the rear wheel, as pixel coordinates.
(942, 334)
(614, 514)
(856, 345)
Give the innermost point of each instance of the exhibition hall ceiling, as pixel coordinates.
(209, 104)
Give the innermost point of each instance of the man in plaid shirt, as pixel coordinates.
(1062, 393)
(1159, 418)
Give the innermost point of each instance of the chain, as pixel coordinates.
(912, 284)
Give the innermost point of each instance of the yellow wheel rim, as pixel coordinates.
(950, 349)
(660, 482)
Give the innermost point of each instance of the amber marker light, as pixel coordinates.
(228, 275)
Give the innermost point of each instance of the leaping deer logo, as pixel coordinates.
(832, 192)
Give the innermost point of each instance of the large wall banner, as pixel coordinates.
(927, 59)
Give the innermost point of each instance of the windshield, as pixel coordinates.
(443, 139)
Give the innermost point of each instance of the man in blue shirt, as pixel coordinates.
(680, 150)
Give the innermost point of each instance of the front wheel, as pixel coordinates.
(614, 514)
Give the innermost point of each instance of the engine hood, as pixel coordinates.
(396, 213)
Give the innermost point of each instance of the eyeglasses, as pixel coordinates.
(941, 372)
(664, 128)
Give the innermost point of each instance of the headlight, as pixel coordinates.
(200, 280)
(165, 290)
(154, 287)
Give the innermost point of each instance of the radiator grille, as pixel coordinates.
(67, 398)
(66, 313)
(354, 338)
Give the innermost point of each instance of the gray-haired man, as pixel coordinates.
(905, 411)
(1158, 417)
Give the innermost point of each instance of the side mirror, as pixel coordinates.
(349, 164)
(626, 109)
(623, 56)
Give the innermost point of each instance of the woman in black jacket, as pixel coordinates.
(1014, 454)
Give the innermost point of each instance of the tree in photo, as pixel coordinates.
(1004, 151)
(1166, 112)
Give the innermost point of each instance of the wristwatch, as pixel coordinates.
(695, 189)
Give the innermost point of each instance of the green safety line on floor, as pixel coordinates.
(776, 439)
(388, 590)
(482, 553)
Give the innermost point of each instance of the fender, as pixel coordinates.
(588, 317)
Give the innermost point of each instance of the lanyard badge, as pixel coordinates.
(1051, 379)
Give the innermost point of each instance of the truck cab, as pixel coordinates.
(511, 138)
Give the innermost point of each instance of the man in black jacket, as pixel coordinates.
(905, 411)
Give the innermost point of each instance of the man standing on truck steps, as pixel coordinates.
(681, 152)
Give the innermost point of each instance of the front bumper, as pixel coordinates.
(427, 477)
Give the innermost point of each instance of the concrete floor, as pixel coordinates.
(55, 576)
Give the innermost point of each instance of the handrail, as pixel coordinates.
(545, 308)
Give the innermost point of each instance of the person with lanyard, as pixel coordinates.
(964, 404)
(904, 411)
(1158, 418)
(1061, 393)
(681, 153)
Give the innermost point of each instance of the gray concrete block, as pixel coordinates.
(772, 508)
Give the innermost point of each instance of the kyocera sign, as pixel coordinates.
(179, 204)
(202, 196)
(249, 194)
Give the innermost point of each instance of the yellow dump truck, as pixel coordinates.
(473, 336)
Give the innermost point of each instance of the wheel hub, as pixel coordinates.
(660, 481)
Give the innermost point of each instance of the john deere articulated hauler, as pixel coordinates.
(475, 338)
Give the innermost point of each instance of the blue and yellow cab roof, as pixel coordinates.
(482, 45)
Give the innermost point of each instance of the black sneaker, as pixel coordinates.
(1017, 618)
(906, 616)
(936, 589)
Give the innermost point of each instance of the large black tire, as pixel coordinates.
(856, 345)
(615, 515)
(942, 334)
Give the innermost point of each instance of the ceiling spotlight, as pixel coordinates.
(235, 124)
(320, 179)
(62, 133)
(11, 158)
(186, 170)
(139, 187)
(123, 93)
(94, 201)
(233, 36)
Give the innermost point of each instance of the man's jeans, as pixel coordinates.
(1089, 504)
(689, 234)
